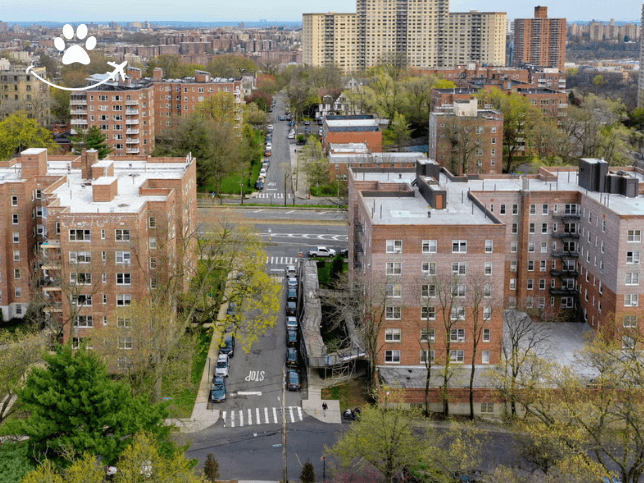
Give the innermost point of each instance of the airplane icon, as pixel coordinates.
(118, 70)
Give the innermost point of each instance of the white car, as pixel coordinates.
(291, 135)
(291, 271)
(322, 252)
(223, 365)
(270, 127)
(269, 145)
(262, 172)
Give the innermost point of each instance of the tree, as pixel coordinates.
(382, 438)
(314, 162)
(19, 352)
(219, 107)
(45, 473)
(231, 66)
(211, 468)
(464, 142)
(425, 293)
(173, 67)
(400, 130)
(308, 473)
(74, 406)
(18, 132)
(145, 461)
(93, 138)
(15, 462)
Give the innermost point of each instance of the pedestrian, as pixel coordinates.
(324, 408)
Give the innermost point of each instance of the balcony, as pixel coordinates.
(131, 122)
(565, 234)
(567, 215)
(132, 151)
(132, 103)
(51, 264)
(132, 112)
(54, 307)
(563, 291)
(51, 244)
(564, 273)
(79, 122)
(565, 254)
(132, 141)
(78, 111)
(132, 131)
(78, 102)
(50, 284)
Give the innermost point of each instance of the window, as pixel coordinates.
(515, 228)
(531, 228)
(542, 265)
(630, 321)
(459, 246)
(428, 268)
(152, 222)
(531, 247)
(124, 322)
(423, 356)
(544, 209)
(84, 321)
(513, 266)
(104, 299)
(631, 300)
(487, 290)
(530, 285)
(458, 268)
(567, 303)
(153, 243)
(393, 289)
(485, 357)
(82, 300)
(428, 290)
(124, 258)
(632, 257)
(394, 246)
(530, 265)
(392, 357)
(123, 300)
(393, 268)
(392, 335)
(515, 209)
(457, 356)
(80, 235)
(542, 284)
(122, 235)
(544, 228)
(502, 210)
(633, 278)
(153, 265)
(16, 255)
(428, 335)
(634, 236)
(487, 268)
(81, 278)
(123, 279)
(489, 246)
(429, 246)
(544, 247)
(16, 274)
(513, 284)
(533, 209)
(80, 257)
(458, 290)
(428, 313)
(487, 408)
(392, 313)
(102, 234)
(458, 313)
(486, 335)
(457, 335)
(628, 342)
(14, 201)
(513, 247)
(14, 219)
(125, 342)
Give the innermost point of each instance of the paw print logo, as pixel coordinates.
(75, 53)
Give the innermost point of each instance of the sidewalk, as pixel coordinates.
(313, 405)
(202, 417)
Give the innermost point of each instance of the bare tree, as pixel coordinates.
(464, 142)
(426, 297)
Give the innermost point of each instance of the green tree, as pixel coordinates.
(383, 438)
(211, 468)
(313, 162)
(18, 132)
(219, 107)
(15, 462)
(308, 473)
(92, 139)
(401, 130)
(45, 473)
(74, 406)
(230, 66)
(173, 67)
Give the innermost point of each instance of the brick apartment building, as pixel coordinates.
(133, 111)
(466, 139)
(566, 242)
(540, 40)
(95, 234)
(20, 90)
(352, 129)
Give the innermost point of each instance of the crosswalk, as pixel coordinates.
(278, 278)
(275, 196)
(257, 416)
(280, 260)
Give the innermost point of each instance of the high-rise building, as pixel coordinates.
(540, 40)
(20, 90)
(419, 33)
(640, 86)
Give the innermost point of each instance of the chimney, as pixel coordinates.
(134, 73)
(157, 74)
(104, 189)
(33, 162)
(88, 158)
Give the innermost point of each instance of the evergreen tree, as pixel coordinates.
(308, 473)
(211, 469)
(93, 139)
(74, 405)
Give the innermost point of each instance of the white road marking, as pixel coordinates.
(250, 417)
(289, 212)
(266, 415)
(224, 417)
(275, 415)
(241, 418)
(249, 393)
(257, 211)
(258, 419)
(299, 412)
(232, 419)
(290, 410)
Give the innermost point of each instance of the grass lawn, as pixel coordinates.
(182, 403)
(351, 394)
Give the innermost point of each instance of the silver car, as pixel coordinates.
(223, 366)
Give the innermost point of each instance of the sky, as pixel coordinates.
(282, 10)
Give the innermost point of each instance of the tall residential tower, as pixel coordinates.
(540, 40)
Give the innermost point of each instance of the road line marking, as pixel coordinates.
(323, 213)
(266, 259)
(275, 415)
(249, 393)
(290, 410)
(257, 211)
(224, 418)
(258, 419)
(289, 212)
(232, 419)
(241, 418)
(299, 412)
(266, 415)
(250, 418)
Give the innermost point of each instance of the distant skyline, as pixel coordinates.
(284, 10)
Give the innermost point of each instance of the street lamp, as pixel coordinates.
(323, 468)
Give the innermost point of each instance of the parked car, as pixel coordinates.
(291, 135)
(291, 323)
(307, 123)
(291, 282)
(282, 118)
(290, 308)
(289, 118)
(269, 127)
(322, 252)
(227, 346)
(320, 132)
(232, 309)
(223, 365)
(260, 184)
(269, 145)
(291, 123)
(268, 152)
(293, 380)
(262, 172)
(344, 253)
(291, 357)
(290, 270)
(291, 338)
(307, 130)
(291, 295)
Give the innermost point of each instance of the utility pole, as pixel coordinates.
(285, 178)
(284, 425)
